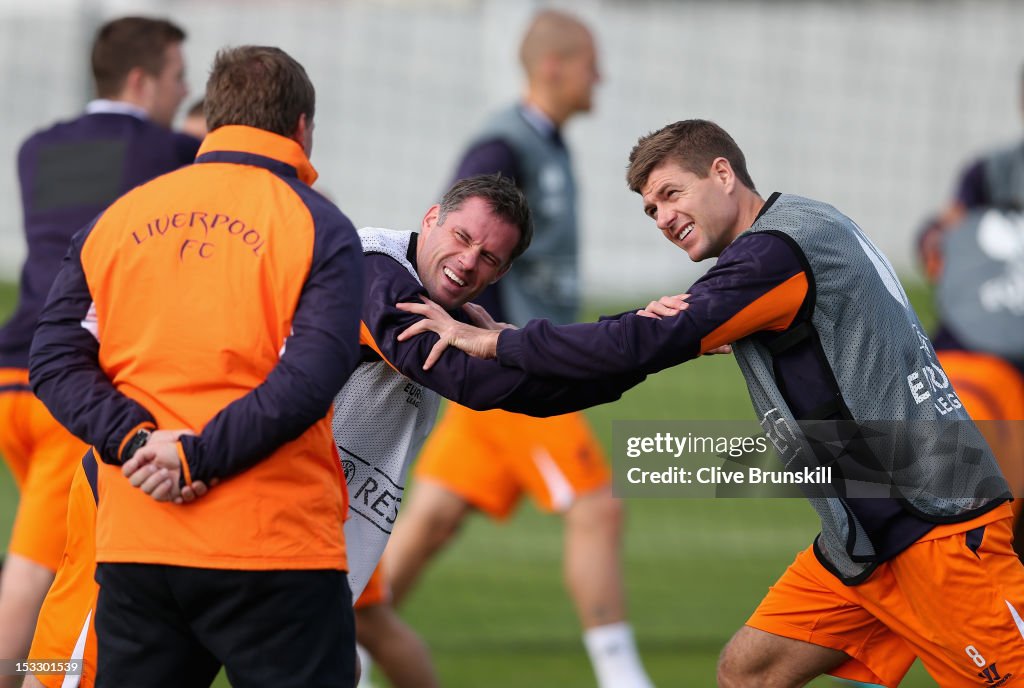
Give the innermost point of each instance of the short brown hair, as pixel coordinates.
(123, 44)
(504, 198)
(258, 86)
(693, 144)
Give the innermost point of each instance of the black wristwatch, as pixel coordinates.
(137, 441)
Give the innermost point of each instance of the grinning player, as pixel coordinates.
(69, 173)
(822, 331)
(486, 462)
(466, 242)
(387, 407)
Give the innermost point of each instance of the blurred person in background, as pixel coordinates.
(68, 174)
(973, 255)
(486, 461)
(994, 180)
(221, 299)
(982, 221)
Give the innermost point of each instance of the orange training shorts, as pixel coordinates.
(64, 629)
(992, 391)
(42, 456)
(490, 458)
(376, 591)
(954, 598)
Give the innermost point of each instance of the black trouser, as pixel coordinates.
(175, 626)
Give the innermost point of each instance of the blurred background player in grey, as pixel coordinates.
(68, 174)
(974, 252)
(973, 255)
(994, 180)
(485, 461)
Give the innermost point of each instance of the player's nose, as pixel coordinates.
(468, 259)
(665, 218)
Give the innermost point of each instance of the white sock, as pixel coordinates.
(367, 663)
(613, 655)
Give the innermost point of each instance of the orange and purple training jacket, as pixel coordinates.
(224, 298)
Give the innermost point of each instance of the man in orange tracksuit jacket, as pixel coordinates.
(68, 172)
(222, 299)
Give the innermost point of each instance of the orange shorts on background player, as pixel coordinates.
(992, 391)
(42, 456)
(65, 626)
(491, 458)
(375, 592)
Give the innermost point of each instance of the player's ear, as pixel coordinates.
(722, 172)
(549, 67)
(303, 134)
(430, 219)
(135, 84)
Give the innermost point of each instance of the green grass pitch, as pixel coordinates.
(493, 608)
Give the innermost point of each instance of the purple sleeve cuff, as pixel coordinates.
(510, 348)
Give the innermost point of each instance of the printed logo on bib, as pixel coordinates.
(349, 468)
(373, 495)
(931, 382)
(1001, 238)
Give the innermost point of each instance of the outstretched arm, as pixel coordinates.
(475, 383)
(480, 339)
(758, 284)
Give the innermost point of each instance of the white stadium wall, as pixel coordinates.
(872, 106)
